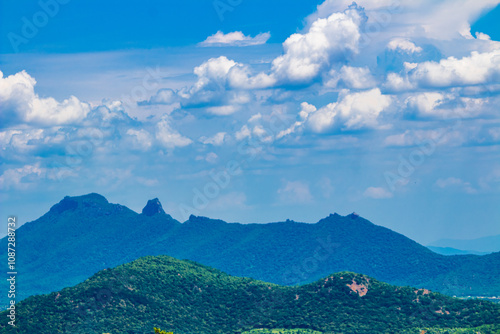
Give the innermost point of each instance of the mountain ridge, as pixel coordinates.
(488, 244)
(79, 240)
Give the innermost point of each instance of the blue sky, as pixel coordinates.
(257, 111)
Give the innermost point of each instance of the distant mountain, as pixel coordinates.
(185, 297)
(81, 235)
(485, 245)
(454, 251)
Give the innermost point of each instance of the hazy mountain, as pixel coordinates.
(81, 235)
(454, 251)
(185, 297)
(486, 244)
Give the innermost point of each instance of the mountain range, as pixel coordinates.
(454, 251)
(483, 245)
(186, 297)
(82, 235)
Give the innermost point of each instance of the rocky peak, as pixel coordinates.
(153, 207)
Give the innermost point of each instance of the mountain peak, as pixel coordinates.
(71, 203)
(353, 215)
(153, 207)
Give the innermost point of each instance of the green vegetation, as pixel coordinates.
(486, 329)
(82, 235)
(282, 331)
(476, 330)
(185, 297)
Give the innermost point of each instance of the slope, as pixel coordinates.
(82, 235)
(185, 297)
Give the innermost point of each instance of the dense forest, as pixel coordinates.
(185, 297)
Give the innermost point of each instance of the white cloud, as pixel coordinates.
(455, 182)
(216, 140)
(305, 110)
(169, 137)
(255, 118)
(350, 77)
(377, 193)
(17, 178)
(20, 104)
(425, 103)
(262, 134)
(476, 69)
(441, 20)
(141, 138)
(482, 36)
(236, 38)
(398, 83)
(328, 40)
(214, 69)
(242, 76)
(210, 157)
(446, 105)
(223, 110)
(352, 111)
(164, 96)
(295, 192)
(243, 133)
(403, 44)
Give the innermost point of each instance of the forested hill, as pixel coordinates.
(81, 235)
(185, 297)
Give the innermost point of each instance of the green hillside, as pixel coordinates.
(81, 235)
(185, 297)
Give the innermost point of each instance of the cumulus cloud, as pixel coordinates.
(445, 105)
(352, 111)
(163, 96)
(441, 20)
(328, 40)
(236, 38)
(482, 36)
(169, 137)
(476, 69)
(220, 86)
(243, 133)
(141, 139)
(305, 110)
(242, 77)
(20, 104)
(211, 84)
(223, 110)
(403, 44)
(377, 193)
(216, 140)
(350, 77)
